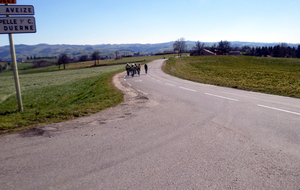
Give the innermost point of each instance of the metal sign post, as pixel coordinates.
(10, 25)
(15, 68)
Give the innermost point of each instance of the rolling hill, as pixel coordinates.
(46, 50)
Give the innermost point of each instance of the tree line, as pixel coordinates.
(281, 50)
(63, 59)
(224, 47)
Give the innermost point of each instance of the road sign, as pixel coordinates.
(12, 25)
(8, 1)
(16, 10)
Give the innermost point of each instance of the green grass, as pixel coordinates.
(51, 95)
(278, 76)
(57, 96)
(49, 60)
(24, 65)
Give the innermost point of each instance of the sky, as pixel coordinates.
(91, 22)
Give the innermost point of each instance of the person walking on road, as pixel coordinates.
(146, 67)
(138, 68)
(133, 70)
(128, 69)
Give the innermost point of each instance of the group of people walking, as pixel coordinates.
(135, 69)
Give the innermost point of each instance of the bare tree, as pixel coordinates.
(117, 53)
(63, 59)
(96, 57)
(224, 46)
(179, 45)
(198, 47)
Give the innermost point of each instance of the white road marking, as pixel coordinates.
(158, 81)
(222, 97)
(128, 84)
(138, 81)
(170, 84)
(151, 77)
(279, 109)
(124, 79)
(187, 89)
(142, 92)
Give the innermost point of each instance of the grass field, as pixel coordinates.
(280, 76)
(51, 95)
(57, 96)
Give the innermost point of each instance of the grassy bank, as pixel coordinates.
(54, 95)
(50, 97)
(278, 76)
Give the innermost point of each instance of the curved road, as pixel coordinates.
(171, 134)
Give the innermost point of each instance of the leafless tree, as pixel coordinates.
(180, 45)
(224, 46)
(96, 57)
(198, 47)
(63, 59)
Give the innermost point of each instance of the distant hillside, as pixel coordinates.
(46, 50)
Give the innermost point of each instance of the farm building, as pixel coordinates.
(203, 52)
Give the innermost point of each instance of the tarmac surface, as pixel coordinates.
(168, 134)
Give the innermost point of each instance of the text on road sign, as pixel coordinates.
(17, 25)
(16, 10)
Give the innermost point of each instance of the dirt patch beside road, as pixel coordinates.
(134, 100)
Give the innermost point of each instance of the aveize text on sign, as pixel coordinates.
(16, 10)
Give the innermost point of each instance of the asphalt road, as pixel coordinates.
(168, 134)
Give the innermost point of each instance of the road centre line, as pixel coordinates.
(286, 111)
(222, 97)
(170, 84)
(187, 89)
(278, 109)
(142, 92)
(151, 77)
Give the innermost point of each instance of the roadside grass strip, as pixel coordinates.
(279, 76)
(59, 96)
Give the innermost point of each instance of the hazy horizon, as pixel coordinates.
(152, 43)
(149, 22)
